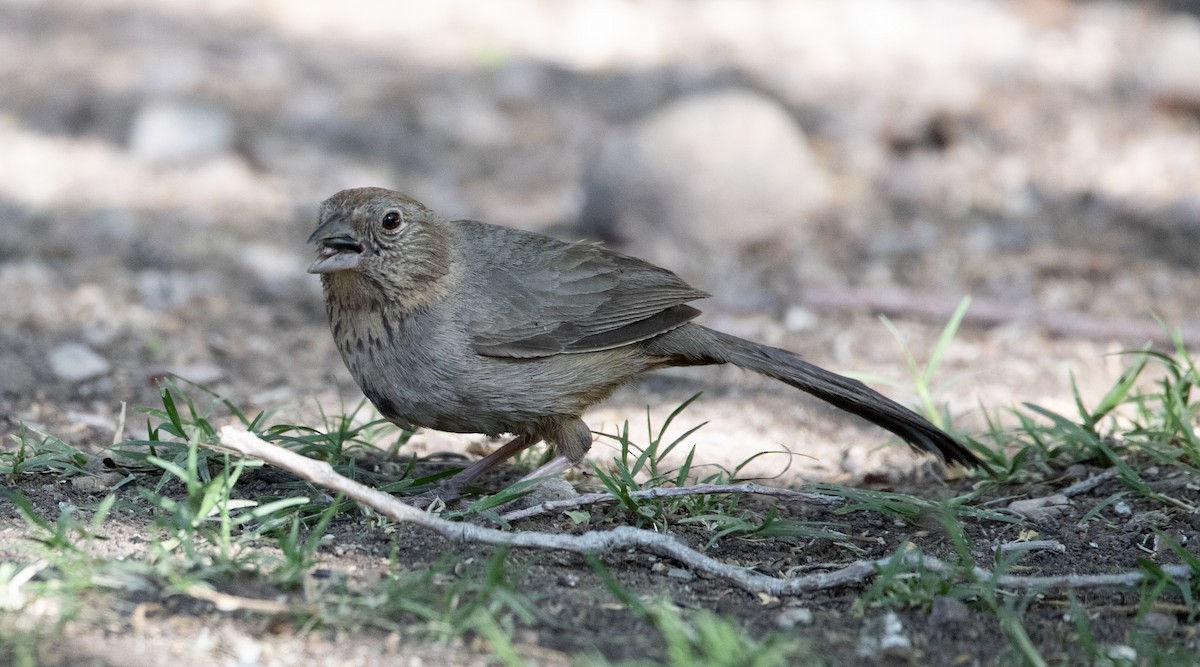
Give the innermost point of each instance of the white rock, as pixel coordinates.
(948, 612)
(1119, 655)
(799, 318)
(790, 618)
(169, 133)
(1041, 509)
(724, 169)
(279, 270)
(883, 635)
(1170, 70)
(74, 362)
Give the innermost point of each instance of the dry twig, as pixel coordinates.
(1033, 545)
(674, 492)
(624, 537)
(1085, 485)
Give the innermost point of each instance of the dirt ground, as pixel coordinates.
(575, 615)
(1041, 156)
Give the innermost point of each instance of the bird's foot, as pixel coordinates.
(451, 490)
(442, 496)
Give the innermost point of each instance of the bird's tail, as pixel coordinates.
(698, 344)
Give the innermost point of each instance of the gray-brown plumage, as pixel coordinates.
(474, 328)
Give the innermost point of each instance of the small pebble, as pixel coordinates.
(74, 362)
(1040, 509)
(790, 618)
(1148, 520)
(1157, 624)
(680, 574)
(1119, 654)
(798, 318)
(948, 612)
(884, 635)
(166, 133)
(1077, 471)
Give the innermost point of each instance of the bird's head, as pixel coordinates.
(377, 239)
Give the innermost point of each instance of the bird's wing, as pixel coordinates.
(535, 296)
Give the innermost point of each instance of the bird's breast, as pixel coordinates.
(406, 364)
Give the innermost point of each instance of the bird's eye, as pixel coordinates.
(392, 220)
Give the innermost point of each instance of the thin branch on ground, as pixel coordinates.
(1033, 545)
(1133, 578)
(1083, 486)
(674, 492)
(227, 602)
(624, 537)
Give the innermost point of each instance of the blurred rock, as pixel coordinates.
(1156, 623)
(468, 119)
(680, 574)
(170, 133)
(1144, 521)
(798, 318)
(167, 290)
(16, 375)
(74, 362)
(30, 292)
(550, 490)
(718, 170)
(884, 636)
(201, 374)
(106, 232)
(278, 270)
(1170, 71)
(948, 613)
(1118, 655)
(790, 618)
(1041, 509)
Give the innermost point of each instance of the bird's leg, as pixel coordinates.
(452, 488)
(572, 438)
(553, 467)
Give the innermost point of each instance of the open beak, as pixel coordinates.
(338, 250)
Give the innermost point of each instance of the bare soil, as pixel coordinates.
(575, 614)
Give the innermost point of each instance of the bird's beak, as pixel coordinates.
(339, 249)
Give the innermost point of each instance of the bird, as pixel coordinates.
(470, 327)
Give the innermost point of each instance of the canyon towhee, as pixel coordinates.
(474, 328)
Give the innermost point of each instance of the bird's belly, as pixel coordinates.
(425, 381)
